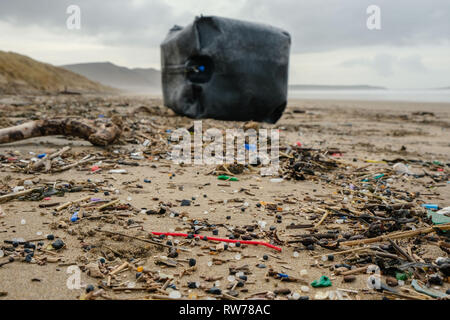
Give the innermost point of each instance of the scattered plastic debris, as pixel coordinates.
(232, 232)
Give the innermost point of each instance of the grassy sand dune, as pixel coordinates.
(21, 74)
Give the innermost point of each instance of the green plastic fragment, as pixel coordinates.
(401, 276)
(227, 178)
(378, 177)
(322, 283)
(438, 218)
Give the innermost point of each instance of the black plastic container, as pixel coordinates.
(226, 69)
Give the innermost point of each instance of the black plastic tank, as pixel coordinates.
(226, 69)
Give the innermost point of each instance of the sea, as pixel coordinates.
(442, 96)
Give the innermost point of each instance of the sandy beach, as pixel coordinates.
(367, 138)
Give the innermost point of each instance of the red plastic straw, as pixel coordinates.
(257, 243)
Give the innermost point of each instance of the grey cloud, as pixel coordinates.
(386, 65)
(329, 24)
(318, 25)
(114, 22)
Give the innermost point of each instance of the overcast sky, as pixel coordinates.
(331, 41)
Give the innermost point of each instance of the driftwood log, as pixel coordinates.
(99, 132)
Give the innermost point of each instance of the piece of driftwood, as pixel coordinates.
(398, 235)
(99, 132)
(11, 196)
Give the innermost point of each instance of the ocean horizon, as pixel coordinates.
(407, 95)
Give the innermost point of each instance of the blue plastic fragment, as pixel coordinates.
(201, 68)
(74, 217)
(431, 206)
(282, 275)
(42, 155)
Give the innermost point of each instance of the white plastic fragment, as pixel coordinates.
(445, 211)
(175, 294)
(276, 180)
(305, 289)
(262, 224)
(296, 296)
(401, 168)
(322, 295)
(118, 171)
(18, 189)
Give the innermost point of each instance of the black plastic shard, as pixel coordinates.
(226, 69)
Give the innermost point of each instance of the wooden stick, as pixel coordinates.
(136, 289)
(109, 204)
(143, 240)
(401, 251)
(41, 162)
(444, 244)
(407, 296)
(384, 255)
(323, 219)
(70, 166)
(162, 297)
(166, 284)
(228, 297)
(398, 235)
(120, 268)
(68, 204)
(357, 270)
(343, 252)
(12, 196)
